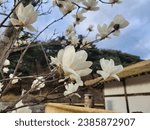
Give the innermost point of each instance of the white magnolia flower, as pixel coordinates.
(6, 63)
(77, 1)
(23, 92)
(55, 2)
(14, 80)
(23, 109)
(67, 7)
(78, 17)
(90, 28)
(1, 86)
(109, 69)
(85, 43)
(26, 17)
(58, 3)
(103, 30)
(16, 44)
(74, 41)
(38, 83)
(5, 70)
(118, 23)
(115, 1)
(21, 42)
(71, 89)
(91, 5)
(63, 42)
(70, 31)
(73, 64)
(24, 42)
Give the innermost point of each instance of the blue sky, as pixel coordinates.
(135, 39)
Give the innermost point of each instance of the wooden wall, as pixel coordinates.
(129, 95)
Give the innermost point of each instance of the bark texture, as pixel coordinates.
(8, 39)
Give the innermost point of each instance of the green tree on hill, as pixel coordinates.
(35, 56)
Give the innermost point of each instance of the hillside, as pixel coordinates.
(34, 60)
(34, 63)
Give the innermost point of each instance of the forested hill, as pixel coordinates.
(35, 56)
(119, 57)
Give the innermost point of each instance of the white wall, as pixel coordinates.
(113, 87)
(139, 84)
(139, 103)
(116, 104)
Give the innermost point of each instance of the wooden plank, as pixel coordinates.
(64, 108)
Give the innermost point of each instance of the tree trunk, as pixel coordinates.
(10, 36)
(6, 43)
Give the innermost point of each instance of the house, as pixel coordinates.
(132, 93)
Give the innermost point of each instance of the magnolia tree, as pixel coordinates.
(70, 64)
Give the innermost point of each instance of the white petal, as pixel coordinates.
(14, 81)
(110, 65)
(11, 75)
(79, 81)
(82, 65)
(116, 33)
(124, 24)
(66, 93)
(60, 55)
(67, 87)
(31, 28)
(77, 95)
(116, 77)
(19, 104)
(117, 69)
(104, 64)
(98, 27)
(74, 87)
(19, 10)
(118, 19)
(103, 74)
(28, 10)
(81, 55)
(77, 78)
(5, 70)
(15, 22)
(24, 110)
(55, 61)
(112, 62)
(84, 72)
(68, 70)
(6, 63)
(33, 18)
(68, 56)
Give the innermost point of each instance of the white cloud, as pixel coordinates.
(147, 57)
(134, 39)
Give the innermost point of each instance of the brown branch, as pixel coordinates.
(8, 108)
(10, 14)
(92, 81)
(24, 52)
(22, 77)
(98, 40)
(104, 2)
(46, 57)
(4, 14)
